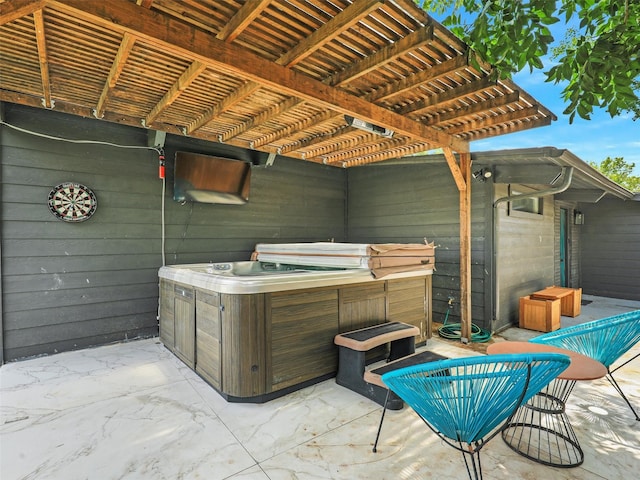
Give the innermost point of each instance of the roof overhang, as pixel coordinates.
(540, 168)
(588, 184)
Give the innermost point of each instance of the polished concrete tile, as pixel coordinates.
(134, 411)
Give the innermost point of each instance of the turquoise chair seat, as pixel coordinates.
(467, 401)
(605, 340)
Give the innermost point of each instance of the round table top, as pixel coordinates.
(580, 368)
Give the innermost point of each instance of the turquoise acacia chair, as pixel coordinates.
(467, 401)
(605, 340)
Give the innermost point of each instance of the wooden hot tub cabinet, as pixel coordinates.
(258, 346)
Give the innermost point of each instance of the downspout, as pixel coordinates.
(567, 174)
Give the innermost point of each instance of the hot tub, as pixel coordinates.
(261, 277)
(258, 330)
(253, 269)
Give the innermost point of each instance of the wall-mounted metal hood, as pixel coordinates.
(207, 179)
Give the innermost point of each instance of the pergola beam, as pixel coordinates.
(367, 64)
(328, 31)
(461, 183)
(345, 143)
(504, 129)
(378, 157)
(177, 38)
(188, 76)
(314, 140)
(43, 58)
(19, 9)
(449, 96)
(331, 29)
(388, 54)
(494, 120)
(431, 74)
(284, 132)
(262, 118)
(242, 19)
(365, 150)
(468, 110)
(212, 112)
(412, 81)
(316, 40)
(126, 45)
(236, 25)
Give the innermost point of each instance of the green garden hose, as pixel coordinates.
(452, 331)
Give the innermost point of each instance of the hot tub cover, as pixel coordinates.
(381, 259)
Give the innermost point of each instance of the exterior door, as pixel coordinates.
(564, 248)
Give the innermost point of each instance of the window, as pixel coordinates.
(527, 204)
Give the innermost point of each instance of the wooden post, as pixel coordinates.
(462, 175)
(465, 250)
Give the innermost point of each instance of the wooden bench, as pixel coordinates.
(352, 350)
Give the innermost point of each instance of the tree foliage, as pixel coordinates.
(620, 172)
(598, 61)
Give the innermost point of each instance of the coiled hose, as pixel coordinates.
(452, 331)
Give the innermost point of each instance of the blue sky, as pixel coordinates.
(591, 140)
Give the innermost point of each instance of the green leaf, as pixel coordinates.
(549, 20)
(598, 62)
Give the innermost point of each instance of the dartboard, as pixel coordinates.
(72, 202)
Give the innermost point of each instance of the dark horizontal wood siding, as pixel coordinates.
(413, 202)
(291, 201)
(610, 253)
(68, 286)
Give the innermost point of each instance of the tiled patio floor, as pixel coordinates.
(133, 411)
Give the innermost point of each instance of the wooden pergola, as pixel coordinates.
(284, 77)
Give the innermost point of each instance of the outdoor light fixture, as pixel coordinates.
(482, 175)
(368, 127)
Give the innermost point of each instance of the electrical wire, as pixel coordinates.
(69, 140)
(158, 150)
(453, 331)
(164, 187)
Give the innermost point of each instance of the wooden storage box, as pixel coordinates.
(570, 299)
(540, 315)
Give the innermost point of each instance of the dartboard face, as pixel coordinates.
(72, 202)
